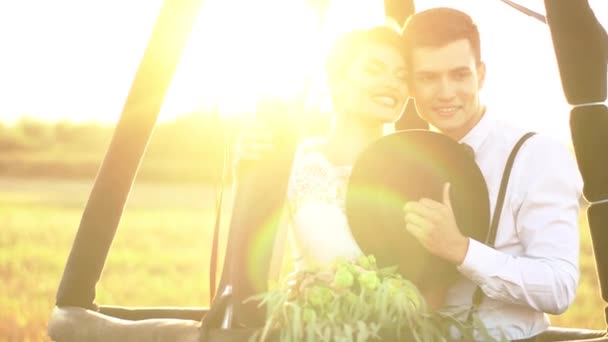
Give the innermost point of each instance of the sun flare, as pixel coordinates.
(242, 51)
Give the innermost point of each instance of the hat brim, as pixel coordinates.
(408, 166)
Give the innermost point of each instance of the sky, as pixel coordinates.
(76, 59)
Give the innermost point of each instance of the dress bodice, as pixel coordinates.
(316, 196)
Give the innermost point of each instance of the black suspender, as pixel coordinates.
(491, 237)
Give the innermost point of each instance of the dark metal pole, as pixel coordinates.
(108, 197)
(399, 11)
(582, 51)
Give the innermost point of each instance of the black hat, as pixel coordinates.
(408, 166)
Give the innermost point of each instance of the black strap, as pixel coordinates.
(218, 221)
(214, 246)
(526, 11)
(491, 237)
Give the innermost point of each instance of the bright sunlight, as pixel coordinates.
(66, 69)
(265, 48)
(75, 61)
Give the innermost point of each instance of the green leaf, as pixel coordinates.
(362, 332)
(388, 271)
(325, 305)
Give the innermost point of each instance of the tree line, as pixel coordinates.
(189, 148)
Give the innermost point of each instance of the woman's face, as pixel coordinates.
(374, 85)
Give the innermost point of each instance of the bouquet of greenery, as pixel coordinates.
(356, 301)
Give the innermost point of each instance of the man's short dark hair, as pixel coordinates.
(440, 26)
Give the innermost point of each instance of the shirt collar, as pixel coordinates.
(478, 134)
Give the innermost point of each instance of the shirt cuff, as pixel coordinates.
(479, 262)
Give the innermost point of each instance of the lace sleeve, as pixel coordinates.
(314, 178)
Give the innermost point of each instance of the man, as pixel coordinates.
(532, 267)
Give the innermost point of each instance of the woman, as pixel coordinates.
(366, 78)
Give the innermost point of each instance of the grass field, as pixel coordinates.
(159, 255)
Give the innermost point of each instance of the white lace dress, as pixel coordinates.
(316, 196)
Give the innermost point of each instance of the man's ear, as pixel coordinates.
(481, 74)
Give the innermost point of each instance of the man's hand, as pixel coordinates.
(434, 225)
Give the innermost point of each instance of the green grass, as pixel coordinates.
(159, 256)
(587, 311)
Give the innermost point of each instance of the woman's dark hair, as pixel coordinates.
(349, 45)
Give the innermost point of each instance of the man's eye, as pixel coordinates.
(462, 75)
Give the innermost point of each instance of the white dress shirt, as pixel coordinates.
(533, 268)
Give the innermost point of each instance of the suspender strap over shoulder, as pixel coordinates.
(491, 237)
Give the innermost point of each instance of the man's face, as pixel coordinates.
(445, 83)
